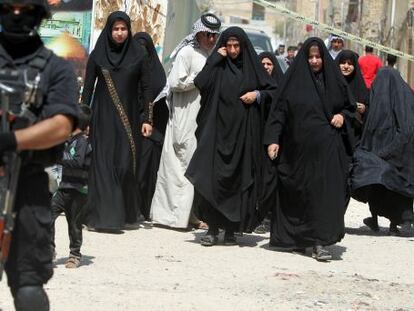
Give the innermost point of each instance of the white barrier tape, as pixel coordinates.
(330, 29)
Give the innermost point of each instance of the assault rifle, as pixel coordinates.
(18, 96)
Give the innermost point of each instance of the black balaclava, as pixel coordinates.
(19, 35)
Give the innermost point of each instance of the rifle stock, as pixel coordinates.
(9, 176)
(2, 225)
(4, 252)
(12, 171)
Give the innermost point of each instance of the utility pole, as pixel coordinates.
(360, 11)
(331, 10)
(315, 30)
(410, 21)
(392, 32)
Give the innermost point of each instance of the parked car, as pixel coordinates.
(260, 40)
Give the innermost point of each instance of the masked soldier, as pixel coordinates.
(29, 264)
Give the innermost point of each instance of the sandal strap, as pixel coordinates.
(72, 259)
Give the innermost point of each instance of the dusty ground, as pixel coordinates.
(159, 269)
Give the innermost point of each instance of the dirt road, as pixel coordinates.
(159, 269)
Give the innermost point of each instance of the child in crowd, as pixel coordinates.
(71, 195)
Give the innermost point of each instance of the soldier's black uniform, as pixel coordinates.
(29, 265)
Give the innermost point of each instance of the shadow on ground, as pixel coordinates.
(336, 250)
(172, 229)
(364, 230)
(85, 261)
(245, 240)
(106, 231)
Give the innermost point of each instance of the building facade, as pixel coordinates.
(389, 22)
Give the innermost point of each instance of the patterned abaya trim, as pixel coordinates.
(123, 116)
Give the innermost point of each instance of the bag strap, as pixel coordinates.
(40, 61)
(122, 114)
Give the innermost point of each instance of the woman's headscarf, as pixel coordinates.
(112, 55)
(329, 82)
(229, 132)
(235, 77)
(326, 88)
(391, 110)
(386, 152)
(158, 77)
(248, 62)
(277, 73)
(355, 80)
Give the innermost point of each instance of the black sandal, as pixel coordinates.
(321, 254)
(229, 238)
(394, 230)
(262, 229)
(407, 229)
(209, 240)
(211, 237)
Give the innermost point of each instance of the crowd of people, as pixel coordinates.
(228, 140)
(231, 141)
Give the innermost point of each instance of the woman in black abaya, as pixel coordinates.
(269, 169)
(119, 65)
(347, 62)
(308, 123)
(152, 146)
(276, 73)
(383, 168)
(225, 168)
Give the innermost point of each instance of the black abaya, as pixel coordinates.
(277, 73)
(152, 146)
(355, 80)
(357, 88)
(113, 198)
(225, 168)
(269, 167)
(313, 165)
(385, 156)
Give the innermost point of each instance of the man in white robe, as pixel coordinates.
(173, 198)
(335, 45)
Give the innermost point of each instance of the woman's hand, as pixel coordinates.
(222, 51)
(361, 108)
(146, 130)
(249, 98)
(272, 151)
(337, 121)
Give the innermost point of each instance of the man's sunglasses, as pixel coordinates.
(210, 34)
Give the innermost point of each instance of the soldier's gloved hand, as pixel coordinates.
(8, 142)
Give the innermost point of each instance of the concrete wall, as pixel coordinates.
(180, 19)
